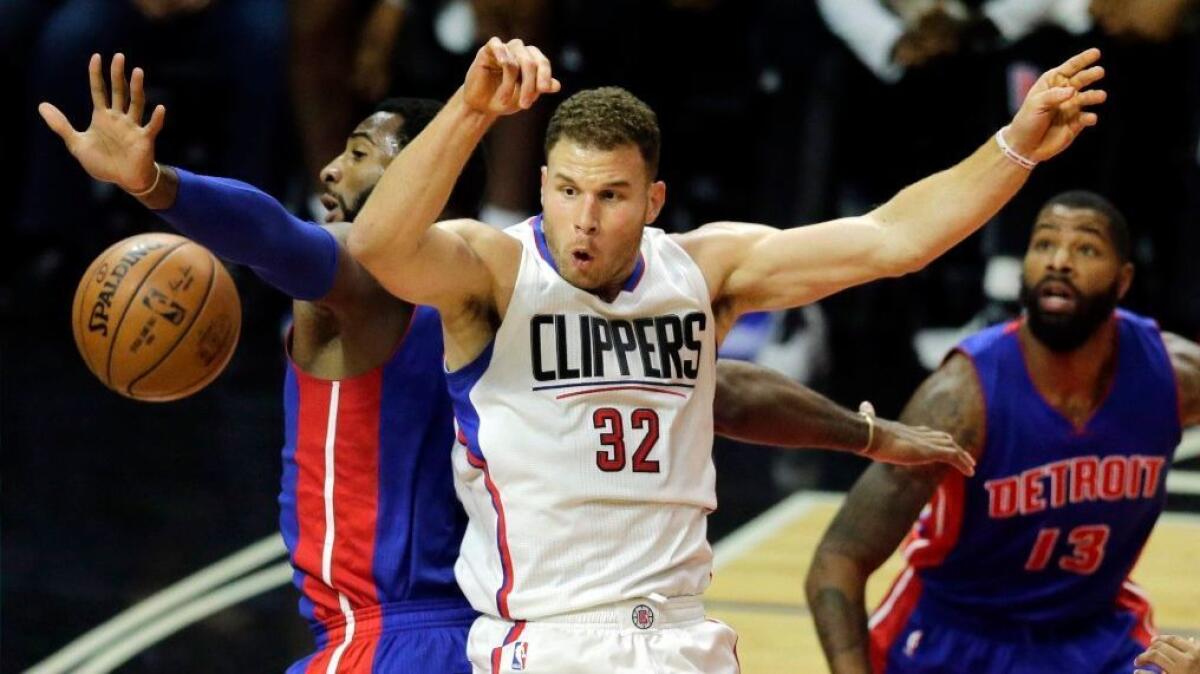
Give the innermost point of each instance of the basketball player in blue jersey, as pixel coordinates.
(581, 350)
(368, 510)
(1073, 414)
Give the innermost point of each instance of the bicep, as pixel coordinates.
(1185, 360)
(761, 268)
(886, 500)
(447, 269)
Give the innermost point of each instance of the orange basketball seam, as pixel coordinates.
(212, 281)
(117, 330)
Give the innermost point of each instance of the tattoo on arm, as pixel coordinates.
(1185, 359)
(879, 511)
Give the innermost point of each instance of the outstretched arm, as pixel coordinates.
(236, 221)
(393, 235)
(754, 267)
(1185, 358)
(759, 405)
(879, 510)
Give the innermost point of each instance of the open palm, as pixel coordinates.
(1054, 112)
(116, 147)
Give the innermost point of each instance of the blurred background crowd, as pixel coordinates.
(785, 112)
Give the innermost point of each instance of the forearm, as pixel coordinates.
(835, 591)
(413, 192)
(758, 405)
(244, 225)
(931, 216)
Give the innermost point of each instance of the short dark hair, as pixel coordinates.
(416, 114)
(607, 118)
(1118, 227)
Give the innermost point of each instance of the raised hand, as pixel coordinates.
(507, 77)
(917, 445)
(115, 148)
(1053, 112)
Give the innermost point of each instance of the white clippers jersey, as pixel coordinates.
(585, 439)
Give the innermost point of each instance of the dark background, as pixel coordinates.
(766, 115)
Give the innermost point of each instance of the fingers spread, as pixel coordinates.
(1087, 77)
(96, 80)
(137, 95)
(57, 122)
(1091, 97)
(120, 91)
(156, 121)
(1078, 62)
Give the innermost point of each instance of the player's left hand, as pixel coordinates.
(917, 445)
(1054, 111)
(1171, 654)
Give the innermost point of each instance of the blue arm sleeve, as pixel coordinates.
(242, 224)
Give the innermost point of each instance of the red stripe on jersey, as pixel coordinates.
(935, 534)
(1133, 599)
(501, 536)
(889, 619)
(320, 662)
(312, 422)
(514, 633)
(356, 489)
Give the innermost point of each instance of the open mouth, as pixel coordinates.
(1057, 296)
(333, 208)
(582, 258)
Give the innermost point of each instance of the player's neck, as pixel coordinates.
(1078, 378)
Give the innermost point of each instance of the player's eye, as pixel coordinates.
(568, 190)
(358, 155)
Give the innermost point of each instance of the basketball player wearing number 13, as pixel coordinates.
(590, 330)
(1074, 413)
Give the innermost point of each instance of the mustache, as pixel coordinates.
(1063, 280)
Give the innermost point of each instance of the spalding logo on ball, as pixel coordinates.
(156, 317)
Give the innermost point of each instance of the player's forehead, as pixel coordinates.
(592, 166)
(380, 129)
(1063, 219)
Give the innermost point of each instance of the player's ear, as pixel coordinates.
(542, 190)
(1124, 279)
(658, 197)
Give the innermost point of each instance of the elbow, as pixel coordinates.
(830, 569)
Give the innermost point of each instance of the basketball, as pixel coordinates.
(156, 317)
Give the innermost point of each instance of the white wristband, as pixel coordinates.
(1018, 159)
(867, 411)
(157, 177)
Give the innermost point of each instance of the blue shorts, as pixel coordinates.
(395, 639)
(922, 637)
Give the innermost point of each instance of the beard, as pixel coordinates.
(350, 211)
(1061, 332)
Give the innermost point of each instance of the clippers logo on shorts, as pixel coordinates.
(643, 617)
(520, 652)
(566, 347)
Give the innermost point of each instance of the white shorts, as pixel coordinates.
(637, 636)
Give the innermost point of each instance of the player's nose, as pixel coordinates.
(331, 173)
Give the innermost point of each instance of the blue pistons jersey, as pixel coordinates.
(1043, 537)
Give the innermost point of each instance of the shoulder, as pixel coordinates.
(951, 400)
(1185, 361)
(718, 236)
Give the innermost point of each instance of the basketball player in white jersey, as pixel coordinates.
(581, 352)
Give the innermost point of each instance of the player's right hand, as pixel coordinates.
(906, 445)
(507, 77)
(115, 148)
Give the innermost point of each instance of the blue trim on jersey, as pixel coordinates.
(461, 382)
(539, 237)
(289, 525)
